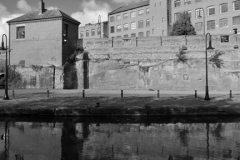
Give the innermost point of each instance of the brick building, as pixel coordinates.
(44, 37)
(130, 21)
(215, 16)
(97, 30)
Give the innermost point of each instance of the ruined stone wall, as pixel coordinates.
(151, 63)
(35, 77)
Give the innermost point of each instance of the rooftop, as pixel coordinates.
(47, 14)
(130, 7)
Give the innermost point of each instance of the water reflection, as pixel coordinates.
(72, 140)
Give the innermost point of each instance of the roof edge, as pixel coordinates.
(110, 13)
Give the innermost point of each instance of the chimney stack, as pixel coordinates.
(41, 5)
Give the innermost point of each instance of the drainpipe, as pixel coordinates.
(54, 72)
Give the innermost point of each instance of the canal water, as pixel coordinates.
(127, 139)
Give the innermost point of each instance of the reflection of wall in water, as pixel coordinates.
(163, 140)
(32, 140)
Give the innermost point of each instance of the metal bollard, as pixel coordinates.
(83, 93)
(195, 93)
(121, 93)
(47, 92)
(230, 93)
(13, 94)
(158, 95)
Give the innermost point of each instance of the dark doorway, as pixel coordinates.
(85, 71)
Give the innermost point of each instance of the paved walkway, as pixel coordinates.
(109, 102)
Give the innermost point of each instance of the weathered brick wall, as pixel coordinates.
(150, 63)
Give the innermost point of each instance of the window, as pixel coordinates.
(210, 10)
(162, 32)
(147, 33)
(224, 39)
(236, 20)
(153, 19)
(199, 13)
(177, 3)
(176, 17)
(223, 8)
(125, 16)
(21, 32)
(186, 2)
(163, 20)
(93, 32)
(111, 19)
(119, 28)
(211, 25)
(140, 34)
(133, 35)
(133, 14)
(99, 31)
(112, 29)
(125, 36)
(119, 17)
(87, 33)
(133, 25)
(198, 26)
(236, 5)
(147, 11)
(81, 34)
(125, 27)
(147, 23)
(223, 23)
(65, 30)
(140, 24)
(152, 31)
(140, 12)
(189, 13)
(118, 36)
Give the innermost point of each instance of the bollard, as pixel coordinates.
(121, 93)
(230, 93)
(83, 93)
(47, 93)
(97, 105)
(13, 94)
(158, 95)
(195, 93)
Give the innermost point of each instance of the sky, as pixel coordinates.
(85, 11)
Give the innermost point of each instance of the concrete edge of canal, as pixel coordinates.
(110, 112)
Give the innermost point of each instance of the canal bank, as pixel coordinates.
(110, 103)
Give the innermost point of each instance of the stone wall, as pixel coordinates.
(35, 77)
(151, 63)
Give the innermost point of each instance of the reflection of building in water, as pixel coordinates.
(73, 136)
(161, 141)
(35, 140)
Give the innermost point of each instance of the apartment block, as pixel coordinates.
(130, 21)
(213, 16)
(97, 30)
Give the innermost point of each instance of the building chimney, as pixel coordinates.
(41, 5)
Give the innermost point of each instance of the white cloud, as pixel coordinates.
(23, 6)
(52, 8)
(127, 1)
(4, 17)
(91, 11)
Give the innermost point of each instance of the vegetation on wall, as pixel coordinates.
(183, 26)
(215, 60)
(15, 79)
(181, 56)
